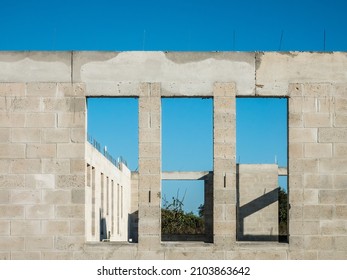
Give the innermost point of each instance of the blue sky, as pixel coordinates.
(180, 25)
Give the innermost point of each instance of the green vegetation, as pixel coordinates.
(175, 221)
(283, 212)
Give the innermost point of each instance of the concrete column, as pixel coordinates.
(149, 166)
(224, 177)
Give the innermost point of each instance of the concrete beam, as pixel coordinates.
(190, 175)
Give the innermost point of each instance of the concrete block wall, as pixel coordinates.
(42, 148)
(107, 199)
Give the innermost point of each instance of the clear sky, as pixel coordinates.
(180, 25)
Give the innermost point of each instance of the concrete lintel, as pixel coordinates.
(282, 171)
(190, 175)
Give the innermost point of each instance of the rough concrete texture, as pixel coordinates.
(42, 149)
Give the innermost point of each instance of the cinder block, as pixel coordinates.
(69, 243)
(149, 135)
(148, 150)
(56, 196)
(12, 181)
(78, 135)
(341, 243)
(149, 165)
(55, 227)
(41, 151)
(11, 212)
(71, 150)
(302, 135)
(22, 255)
(78, 196)
(340, 181)
(311, 228)
(311, 196)
(340, 105)
(4, 196)
(25, 197)
(56, 255)
(26, 135)
(56, 166)
(224, 135)
(70, 181)
(333, 227)
(295, 119)
(333, 165)
(317, 89)
(317, 120)
(70, 211)
(4, 167)
(332, 255)
(63, 104)
(222, 165)
(317, 181)
(77, 227)
(341, 211)
(296, 150)
(55, 135)
(25, 227)
(5, 255)
(5, 228)
(25, 166)
(40, 120)
(71, 90)
(40, 181)
(11, 243)
(340, 150)
(12, 120)
(332, 135)
(40, 211)
(224, 89)
(327, 197)
(12, 151)
(224, 120)
(224, 104)
(42, 89)
(319, 243)
(77, 166)
(221, 150)
(38, 243)
(5, 135)
(306, 165)
(149, 242)
(70, 120)
(12, 89)
(23, 104)
(340, 120)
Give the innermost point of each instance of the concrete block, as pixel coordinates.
(333, 165)
(5, 228)
(311, 196)
(78, 135)
(332, 135)
(69, 243)
(38, 243)
(333, 227)
(41, 89)
(12, 181)
(56, 255)
(222, 165)
(26, 135)
(149, 150)
(295, 119)
(340, 181)
(77, 227)
(341, 243)
(40, 211)
(317, 181)
(20, 255)
(149, 135)
(5, 135)
(332, 255)
(77, 166)
(12, 120)
(12, 151)
(4, 196)
(303, 255)
(70, 181)
(296, 196)
(4, 166)
(41, 151)
(11, 212)
(149, 242)
(149, 165)
(55, 227)
(296, 213)
(12, 89)
(72, 150)
(341, 211)
(311, 228)
(78, 196)
(317, 89)
(327, 196)
(71, 90)
(319, 243)
(69, 211)
(11, 243)
(224, 104)
(40, 120)
(56, 196)
(221, 150)
(296, 241)
(340, 120)
(306, 165)
(340, 105)
(340, 150)
(224, 135)
(23, 104)
(25, 166)
(224, 120)
(296, 150)
(40, 181)
(70, 120)
(224, 89)
(65, 104)
(55, 135)
(24, 197)
(56, 166)
(5, 255)
(302, 135)
(317, 120)
(25, 227)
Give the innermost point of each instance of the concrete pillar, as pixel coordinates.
(224, 177)
(149, 166)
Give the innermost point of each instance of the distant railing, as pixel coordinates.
(116, 162)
